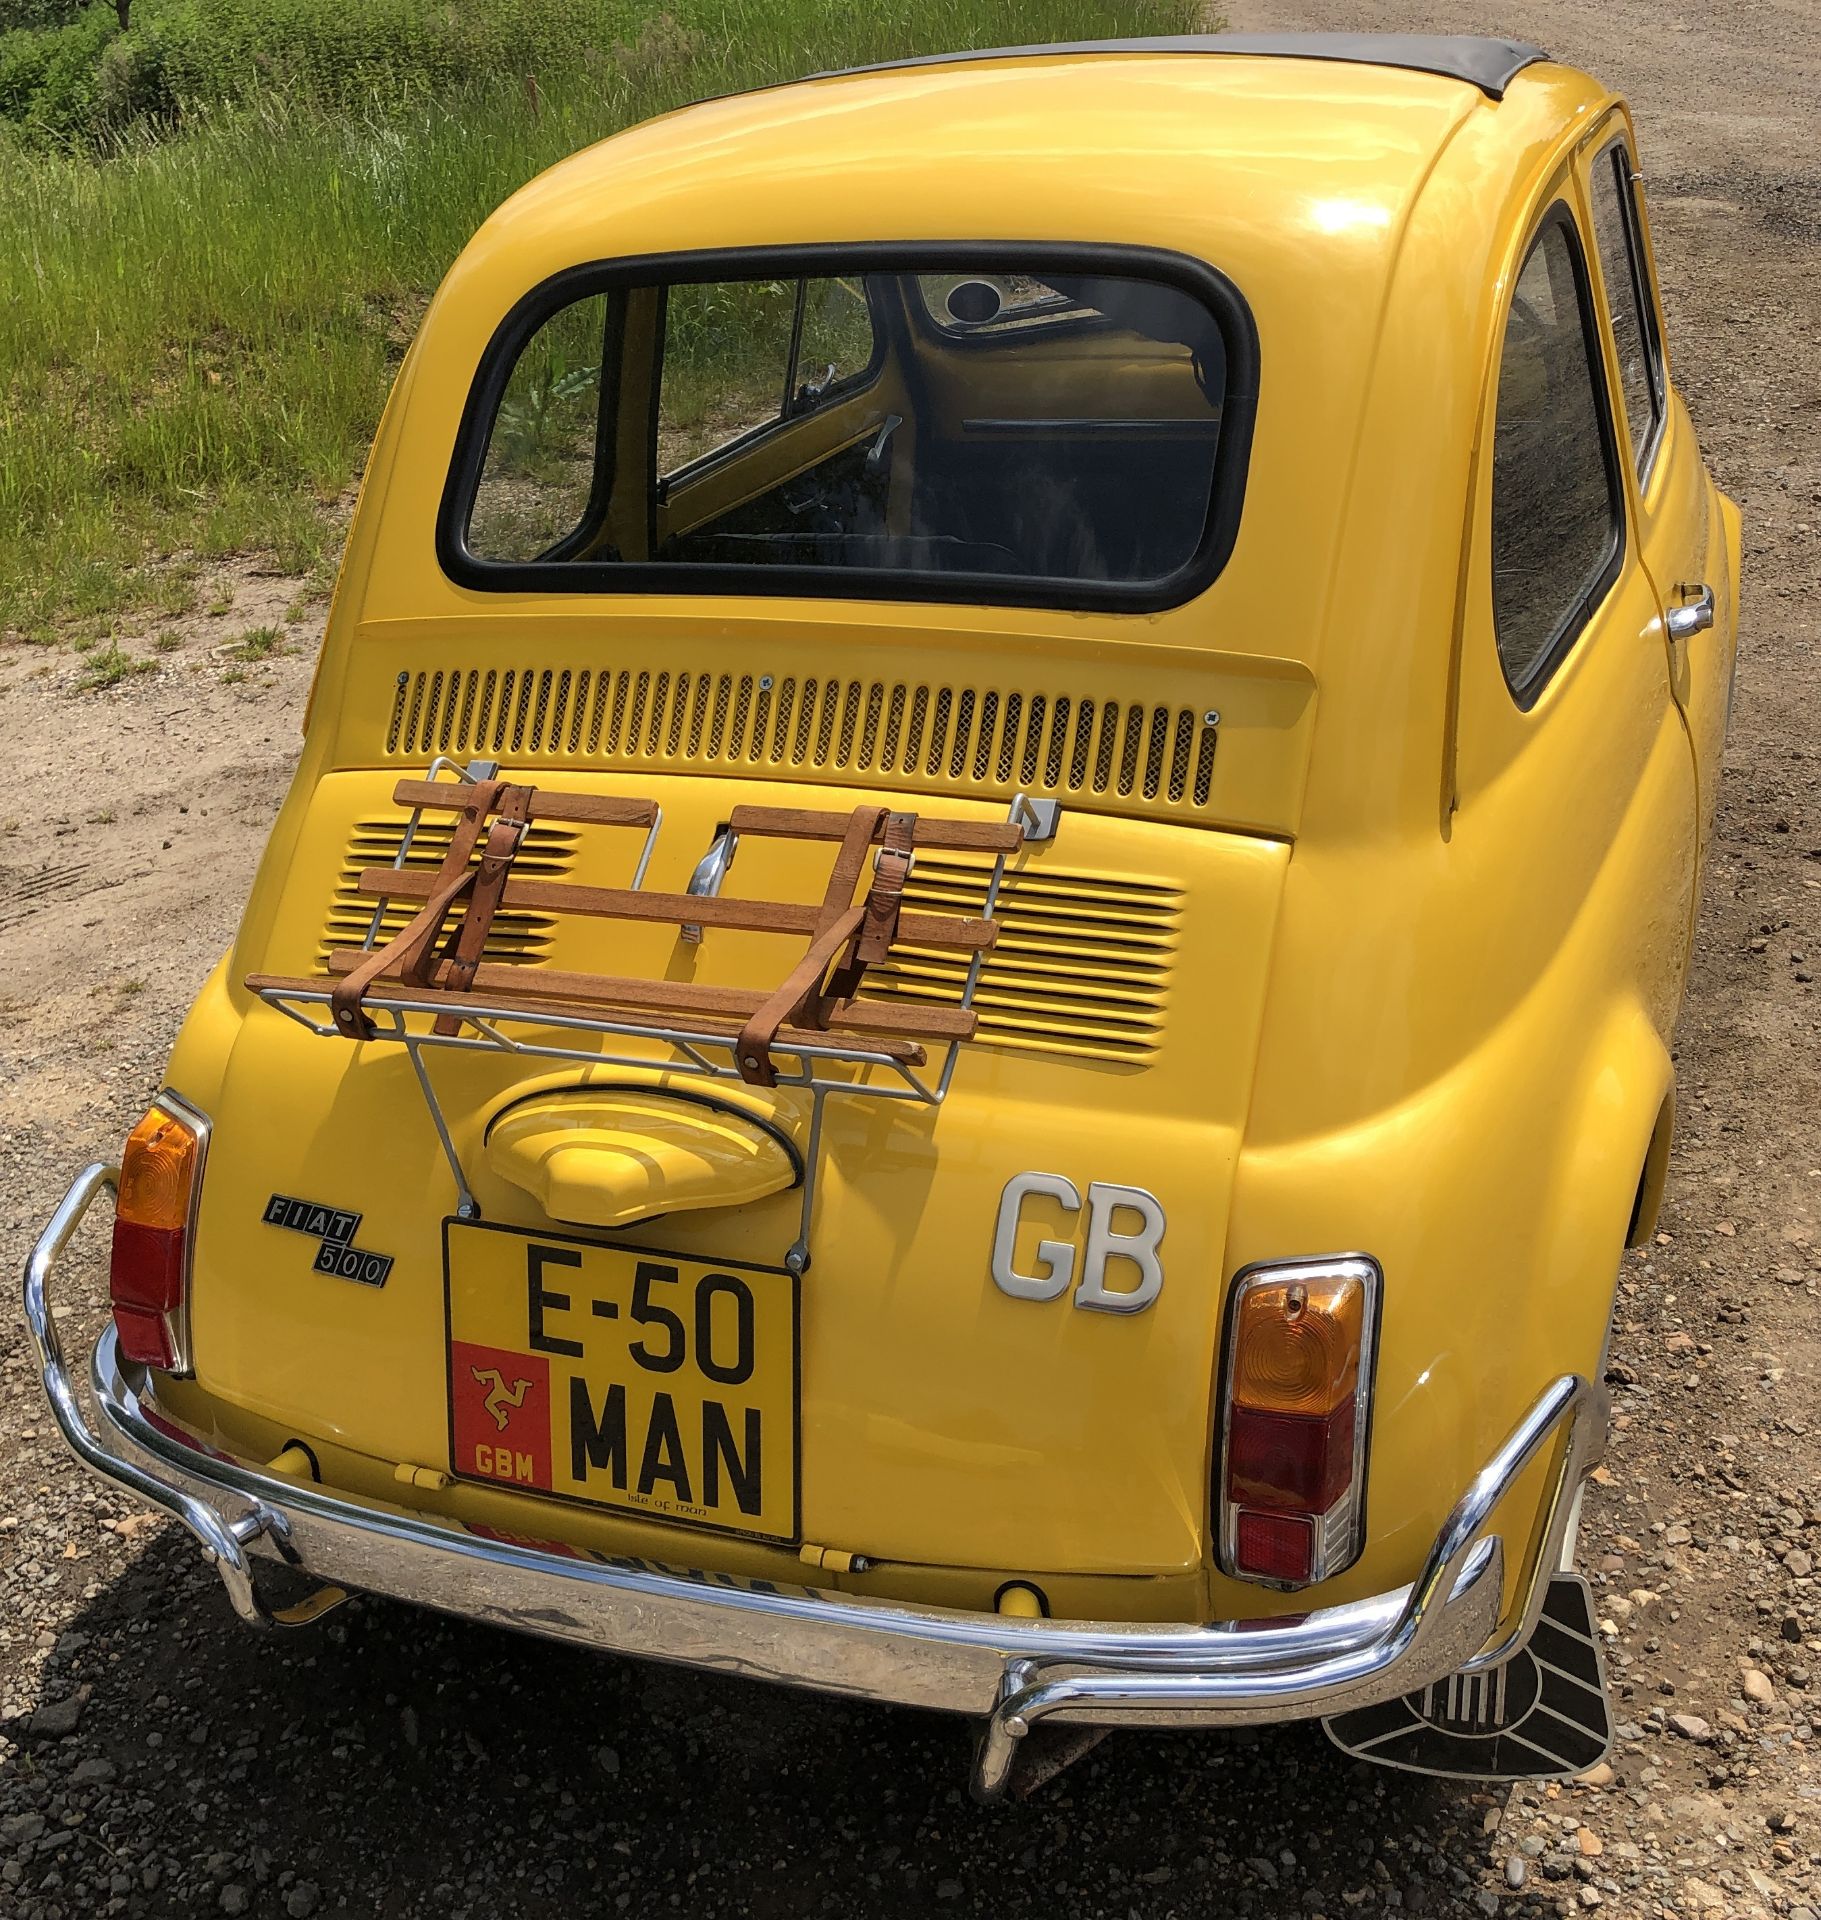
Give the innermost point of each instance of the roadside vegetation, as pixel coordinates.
(221, 224)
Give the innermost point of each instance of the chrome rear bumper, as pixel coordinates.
(1013, 1673)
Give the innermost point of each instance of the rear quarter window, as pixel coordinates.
(1557, 518)
(1625, 276)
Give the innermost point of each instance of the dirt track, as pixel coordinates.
(399, 1764)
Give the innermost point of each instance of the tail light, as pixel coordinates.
(1290, 1506)
(154, 1220)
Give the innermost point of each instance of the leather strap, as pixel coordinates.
(417, 955)
(504, 839)
(411, 953)
(752, 1053)
(890, 871)
(345, 996)
(863, 826)
(798, 1000)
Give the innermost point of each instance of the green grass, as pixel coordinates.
(109, 666)
(197, 332)
(257, 643)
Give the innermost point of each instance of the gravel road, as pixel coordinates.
(155, 1759)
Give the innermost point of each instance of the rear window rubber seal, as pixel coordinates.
(1239, 407)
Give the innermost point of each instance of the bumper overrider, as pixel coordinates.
(1012, 1673)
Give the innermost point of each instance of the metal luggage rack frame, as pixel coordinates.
(813, 1060)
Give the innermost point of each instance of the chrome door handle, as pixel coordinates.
(711, 870)
(876, 453)
(1694, 615)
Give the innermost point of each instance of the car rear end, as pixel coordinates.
(950, 1355)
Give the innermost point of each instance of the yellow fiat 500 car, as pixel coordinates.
(967, 988)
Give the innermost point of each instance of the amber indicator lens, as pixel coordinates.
(156, 1172)
(1297, 1344)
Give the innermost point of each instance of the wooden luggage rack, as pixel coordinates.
(806, 1030)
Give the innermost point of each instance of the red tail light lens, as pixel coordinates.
(146, 1283)
(1275, 1546)
(1296, 1463)
(148, 1277)
(1290, 1497)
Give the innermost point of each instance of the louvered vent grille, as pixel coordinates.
(889, 732)
(514, 935)
(1081, 967)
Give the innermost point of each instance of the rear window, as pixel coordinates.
(1046, 429)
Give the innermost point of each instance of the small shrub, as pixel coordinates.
(37, 13)
(25, 58)
(132, 87)
(257, 643)
(50, 80)
(109, 667)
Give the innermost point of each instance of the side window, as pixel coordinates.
(1556, 514)
(741, 355)
(540, 476)
(726, 349)
(836, 347)
(1618, 233)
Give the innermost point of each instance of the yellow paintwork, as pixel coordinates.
(608, 1159)
(1418, 957)
(292, 1464)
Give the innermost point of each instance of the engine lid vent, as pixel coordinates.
(514, 935)
(1081, 967)
(891, 733)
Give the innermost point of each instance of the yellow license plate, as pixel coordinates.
(624, 1377)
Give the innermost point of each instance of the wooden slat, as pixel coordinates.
(726, 1012)
(676, 996)
(805, 823)
(880, 1028)
(751, 916)
(585, 809)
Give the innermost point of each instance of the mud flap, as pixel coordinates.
(1540, 1715)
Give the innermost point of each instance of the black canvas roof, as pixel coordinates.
(1479, 60)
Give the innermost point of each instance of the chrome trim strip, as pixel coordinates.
(203, 1128)
(1481, 60)
(1583, 1449)
(223, 1541)
(1012, 1671)
(1426, 1634)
